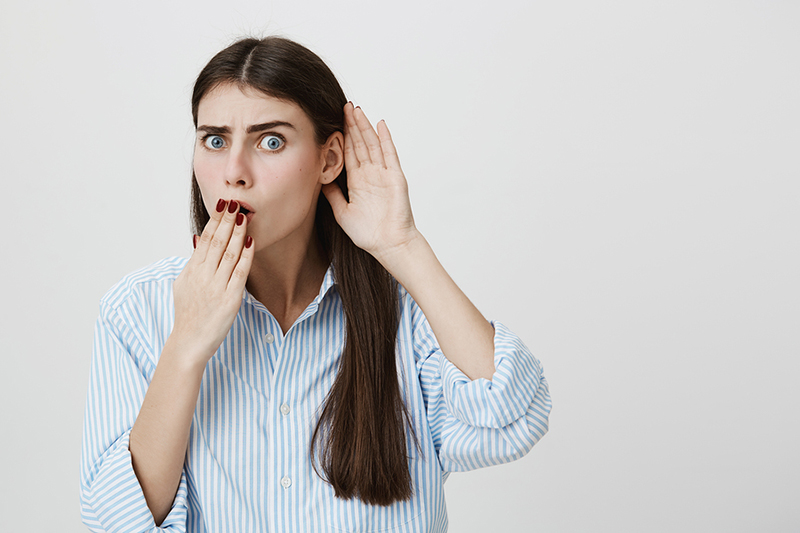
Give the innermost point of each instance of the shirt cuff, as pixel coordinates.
(113, 500)
(504, 399)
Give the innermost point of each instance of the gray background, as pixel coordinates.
(616, 181)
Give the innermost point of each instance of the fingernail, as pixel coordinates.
(233, 206)
(248, 242)
(239, 219)
(220, 205)
(194, 241)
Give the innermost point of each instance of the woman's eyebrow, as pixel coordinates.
(268, 126)
(214, 129)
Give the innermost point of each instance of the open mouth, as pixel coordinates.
(246, 212)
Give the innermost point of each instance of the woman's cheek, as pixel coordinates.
(204, 172)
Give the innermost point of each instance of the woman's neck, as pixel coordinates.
(286, 278)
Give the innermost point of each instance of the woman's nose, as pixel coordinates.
(237, 171)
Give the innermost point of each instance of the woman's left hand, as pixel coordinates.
(378, 219)
(378, 216)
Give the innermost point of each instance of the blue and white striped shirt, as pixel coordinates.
(248, 466)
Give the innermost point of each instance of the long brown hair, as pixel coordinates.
(359, 441)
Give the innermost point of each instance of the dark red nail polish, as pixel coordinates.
(248, 242)
(220, 205)
(194, 241)
(233, 206)
(239, 219)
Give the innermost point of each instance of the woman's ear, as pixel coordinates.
(332, 157)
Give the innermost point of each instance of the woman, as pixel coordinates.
(281, 379)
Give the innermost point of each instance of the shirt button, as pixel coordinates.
(286, 482)
(270, 338)
(285, 409)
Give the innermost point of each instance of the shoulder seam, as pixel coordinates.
(165, 269)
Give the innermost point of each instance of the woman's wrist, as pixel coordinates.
(180, 350)
(397, 258)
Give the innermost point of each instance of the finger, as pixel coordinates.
(234, 248)
(204, 241)
(239, 275)
(350, 159)
(336, 198)
(387, 146)
(370, 137)
(219, 241)
(359, 146)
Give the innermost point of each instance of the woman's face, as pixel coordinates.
(261, 152)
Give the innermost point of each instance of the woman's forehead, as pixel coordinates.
(235, 106)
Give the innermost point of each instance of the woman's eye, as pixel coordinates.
(271, 142)
(214, 142)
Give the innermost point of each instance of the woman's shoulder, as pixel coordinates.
(407, 303)
(409, 309)
(159, 274)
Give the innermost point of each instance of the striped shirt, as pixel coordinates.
(247, 465)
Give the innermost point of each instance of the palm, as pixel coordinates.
(378, 216)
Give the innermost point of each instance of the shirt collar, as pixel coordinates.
(327, 282)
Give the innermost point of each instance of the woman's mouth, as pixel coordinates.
(246, 211)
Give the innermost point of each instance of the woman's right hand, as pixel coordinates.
(207, 296)
(208, 292)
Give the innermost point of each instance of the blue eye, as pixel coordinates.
(271, 142)
(215, 142)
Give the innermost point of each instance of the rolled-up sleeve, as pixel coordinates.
(111, 496)
(479, 423)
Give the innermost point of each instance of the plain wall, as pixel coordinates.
(618, 182)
